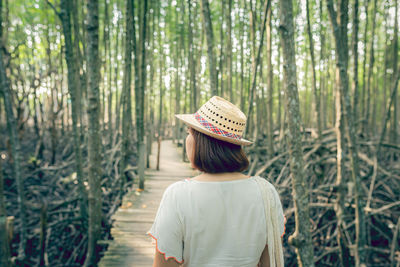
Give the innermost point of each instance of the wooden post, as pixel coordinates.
(158, 152)
(149, 142)
(142, 151)
(183, 148)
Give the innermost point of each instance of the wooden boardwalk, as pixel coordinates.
(131, 246)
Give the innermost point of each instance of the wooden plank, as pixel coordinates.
(131, 246)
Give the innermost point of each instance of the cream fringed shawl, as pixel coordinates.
(272, 204)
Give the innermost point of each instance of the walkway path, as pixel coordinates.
(131, 246)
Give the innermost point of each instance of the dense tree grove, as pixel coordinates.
(87, 86)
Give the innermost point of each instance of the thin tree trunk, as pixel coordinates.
(394, 134)
(151, 93)
(220, 68)
(192, 63)
(5, 90)
(393, 93)
(315, 90)
(370, 71)
(301, 238)
(229, 51)
(355, 61)
(339, 21)
(363, 107)
(270, 80)
(139, 95)
(110, 93)
(126, 92)
(386, 66)
(279, 93)
(61, 105)
(322, 86)
(241, 34)
(107, 73)
(79, 59)
(94, 141)
(178, 63)
(340, 183)
(73, 85)
(160, 117)
(267, 5)
(4, 242)
(116, 76)
(210, 45)
(51, 88)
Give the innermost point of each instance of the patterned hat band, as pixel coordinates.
(215, 129)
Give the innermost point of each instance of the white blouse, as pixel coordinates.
(217, 224)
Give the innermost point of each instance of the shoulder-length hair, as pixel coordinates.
(215, 156)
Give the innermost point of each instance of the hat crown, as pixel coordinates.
(224, 115)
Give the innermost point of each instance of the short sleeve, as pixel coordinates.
(167, 230)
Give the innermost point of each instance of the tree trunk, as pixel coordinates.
(149, 141)
(77, 20)
(94, 141)
(192, 63)
(73, 85)
(267, 5)
(178, 63)
(51, 88)
(126, 92)
(370, 71)
(395, 121)
(355, 61)
(339, 21)
(270, 80)
(220, 68)
(139, 97)
(301, 238)
(393, 90)
(205, 8)
(279, 117)
(241, 34)
(109, 72)
(5, 90)
(322, 87)
(229, 51)
(4, 242)
(116, 76)
(315, 90)
(363, 107)
(386, 57)
(160, 117)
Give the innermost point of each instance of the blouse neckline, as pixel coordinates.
(220, 182)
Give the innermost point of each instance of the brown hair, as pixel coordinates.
(215, 156)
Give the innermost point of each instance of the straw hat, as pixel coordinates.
(220, 119)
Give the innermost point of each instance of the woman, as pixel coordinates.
(221, 217)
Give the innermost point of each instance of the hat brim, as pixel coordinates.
(191, 121)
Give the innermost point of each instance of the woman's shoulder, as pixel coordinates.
(175, 187)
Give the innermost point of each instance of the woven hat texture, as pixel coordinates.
(220, 119)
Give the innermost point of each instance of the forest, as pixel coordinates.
(87, 86)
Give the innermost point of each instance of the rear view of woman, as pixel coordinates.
(220, 218)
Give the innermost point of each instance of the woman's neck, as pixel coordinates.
(225, 176)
